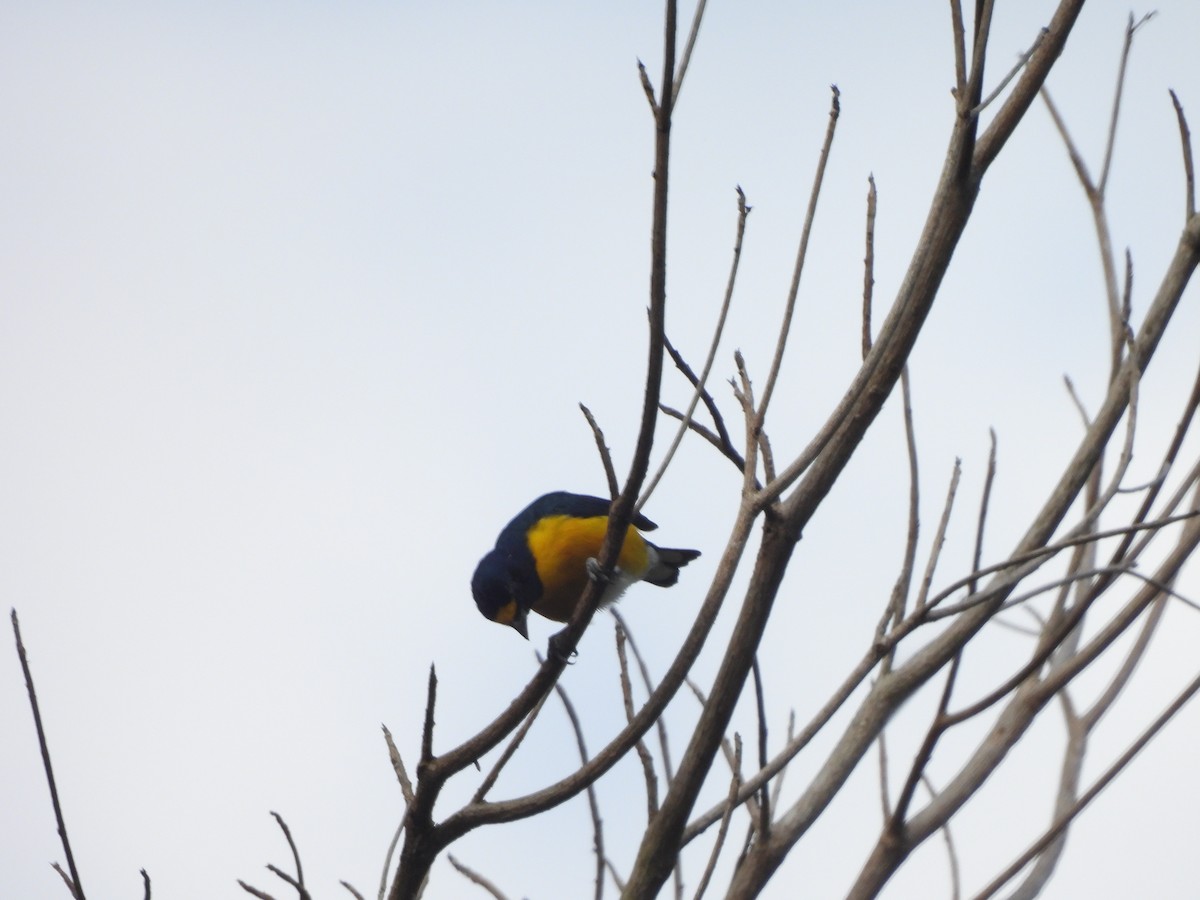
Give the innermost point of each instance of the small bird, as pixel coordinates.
(545, 556)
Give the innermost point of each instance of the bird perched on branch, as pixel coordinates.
(545, 556)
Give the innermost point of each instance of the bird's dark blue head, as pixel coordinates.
(495, 587)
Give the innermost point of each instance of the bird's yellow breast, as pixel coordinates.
(561, 547)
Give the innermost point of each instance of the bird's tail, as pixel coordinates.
(665, 564)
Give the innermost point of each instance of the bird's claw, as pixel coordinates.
(559, 650)
(596, 572)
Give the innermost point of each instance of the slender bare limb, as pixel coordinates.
(699, 384)
(62, 873)
(406, 787)
(648, 87)
(1130, 30)
(391, 851)
(1189, 169)
(643, 753)
(960, 48)
(764, 797)
(785, 327)
(730, 806)
(610, 473)
(475, 878)
(686, 58)
(939, 538)
(869, 266)
(989, 478)
(298, 883)
(146, 884)
(73, 883)
(509, 751)
(254, 892)
(354, 892)
(898, 602)
(1022, 59)
(1088, 796)
(593, 801)
(430, 703)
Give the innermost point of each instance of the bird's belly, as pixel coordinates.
(561, 547)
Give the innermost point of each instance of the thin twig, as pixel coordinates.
(939, 538)
(430, 702)
(644, 76)
(299, 882)
(352, 889)
(75, 885)
(698, 384)
(1189, 170)
(686, 58)
(475, 877)
(391, 851)
(951, 853)
(1130, 30)
(764, 797)
(898, 602)
(1022, 59)
(593, 802)
(730, 806)
(254, 892)
(984, 500)
(960, 52)
(605, 455)
(62, 873)
(406, 787)
(514, 743)
(643, 753)
(869, 266)
(801, 253)
(294, 882)
(146, 884)
(1089, 795)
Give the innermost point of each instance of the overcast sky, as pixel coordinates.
(297, 303)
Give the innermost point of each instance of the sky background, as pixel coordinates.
(297, 303)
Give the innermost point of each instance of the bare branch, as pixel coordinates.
(593, 802)
(730, 806)
(869, 266)
(406, 787)
(686, 58)
(1189, 170)
(610, 473)
(353, 890)
(519, 736)
(73, 883)
(1088, 796)
(642, 752)
(1130, 30)
(835, 108)
(960, 49)
(430, 702)
(939, 538)
(1022, 59)
(298, 883)
(977, 558)
(644, 76)
(699, 383)
(474, 877)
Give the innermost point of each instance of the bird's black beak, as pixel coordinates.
(519, 624)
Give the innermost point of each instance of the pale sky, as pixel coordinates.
(297, 303)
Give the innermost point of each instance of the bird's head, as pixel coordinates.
(495, 593)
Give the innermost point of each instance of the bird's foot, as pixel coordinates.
(559, 650)
(596, 573)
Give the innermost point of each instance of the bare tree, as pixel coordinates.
(1095, 546)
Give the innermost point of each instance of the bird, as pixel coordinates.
(544, 558)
